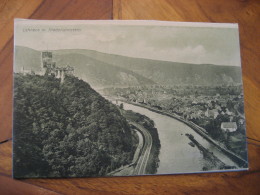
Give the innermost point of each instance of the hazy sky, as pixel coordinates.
(179, 43)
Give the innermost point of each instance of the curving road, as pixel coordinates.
(144, 157)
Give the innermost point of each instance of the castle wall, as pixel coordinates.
(49, 67)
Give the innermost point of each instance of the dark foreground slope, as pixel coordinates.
(66, 130)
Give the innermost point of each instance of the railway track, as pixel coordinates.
(141, 163)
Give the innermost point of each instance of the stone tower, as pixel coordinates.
(49, 67)
(47, 64)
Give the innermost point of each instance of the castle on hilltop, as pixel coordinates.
(48, 67)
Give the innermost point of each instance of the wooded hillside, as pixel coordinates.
(66, 130)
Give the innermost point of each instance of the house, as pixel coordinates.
(229, 112)
(223, 102)
(241, 122)
(211, 113)
(229, 126)
(194, 102)
(199, 113)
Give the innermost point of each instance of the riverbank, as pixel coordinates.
(202, 132)
(145, 160)
(128, 170)
(213, 161)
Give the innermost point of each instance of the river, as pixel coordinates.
(176, 155)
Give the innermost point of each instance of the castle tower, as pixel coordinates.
(46, 59)
(46, 62)
(49, 67)
(62, 76)
(58, 73)
(22, 69)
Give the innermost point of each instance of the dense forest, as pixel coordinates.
(66, 130)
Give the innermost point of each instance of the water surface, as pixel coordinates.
(176, 155)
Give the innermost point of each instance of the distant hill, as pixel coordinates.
(95, 72)
(171, 73)
(98, 73)
(66, 130)
(101, 69)
(27, 58)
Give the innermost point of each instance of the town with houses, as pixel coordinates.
(217, 109)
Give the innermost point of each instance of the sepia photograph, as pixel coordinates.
(126, 98)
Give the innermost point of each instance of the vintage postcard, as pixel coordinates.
(126, 98)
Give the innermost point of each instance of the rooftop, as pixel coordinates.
(229, 125)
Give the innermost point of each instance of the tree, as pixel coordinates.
(121, 106)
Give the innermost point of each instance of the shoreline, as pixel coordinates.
(136, 157)
(207, 155)
(202, 132)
